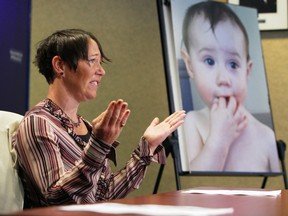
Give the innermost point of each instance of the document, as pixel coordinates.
(149, 209)
(273, 193)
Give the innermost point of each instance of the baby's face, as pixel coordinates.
(218, 61)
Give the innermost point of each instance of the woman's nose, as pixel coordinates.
(100, 70)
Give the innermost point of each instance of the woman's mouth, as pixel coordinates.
(95, 82)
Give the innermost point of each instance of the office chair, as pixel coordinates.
(11, 191)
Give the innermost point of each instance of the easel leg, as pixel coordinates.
(264, 182)
(160, 172)
(177, 177)
(281, 147)
(169, 145)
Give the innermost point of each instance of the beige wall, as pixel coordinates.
(129, 33)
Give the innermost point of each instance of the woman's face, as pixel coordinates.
(218, 60)
(83, 83)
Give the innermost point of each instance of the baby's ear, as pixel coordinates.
(249, 68)
(186, 57)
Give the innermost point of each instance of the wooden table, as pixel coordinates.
(242, 205)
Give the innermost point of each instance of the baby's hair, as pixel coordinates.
(215, 12)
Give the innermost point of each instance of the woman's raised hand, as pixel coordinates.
(109, 124)
(158, 131)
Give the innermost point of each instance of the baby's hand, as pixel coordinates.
(227, 120)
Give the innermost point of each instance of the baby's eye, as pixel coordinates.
(233, 65)
(209, 61)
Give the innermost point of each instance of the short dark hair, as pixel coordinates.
(70, 44)
(215, 12)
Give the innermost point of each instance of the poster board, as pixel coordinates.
(184, 95)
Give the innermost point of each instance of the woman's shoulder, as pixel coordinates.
(41, 112)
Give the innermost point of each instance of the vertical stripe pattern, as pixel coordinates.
(59, 168)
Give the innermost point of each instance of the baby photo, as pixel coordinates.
(229, 126)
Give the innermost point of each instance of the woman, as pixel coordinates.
(63, 158)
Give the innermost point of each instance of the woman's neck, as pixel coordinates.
(67, 103)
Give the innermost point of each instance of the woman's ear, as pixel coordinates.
(58, 66)
(186, 57)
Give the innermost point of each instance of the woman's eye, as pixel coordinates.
(91, 61)
(209, 61)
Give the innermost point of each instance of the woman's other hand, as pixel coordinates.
(158, 131)
(109, 124)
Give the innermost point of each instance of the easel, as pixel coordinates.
(171, 146)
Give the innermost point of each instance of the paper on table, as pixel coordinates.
(167, 210)
(236, 192)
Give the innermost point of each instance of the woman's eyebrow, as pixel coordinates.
(94, 55)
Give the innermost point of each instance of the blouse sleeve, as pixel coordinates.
(90, 179)
(119, 184)
(41, 158)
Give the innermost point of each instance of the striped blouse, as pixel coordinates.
(58, 167)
